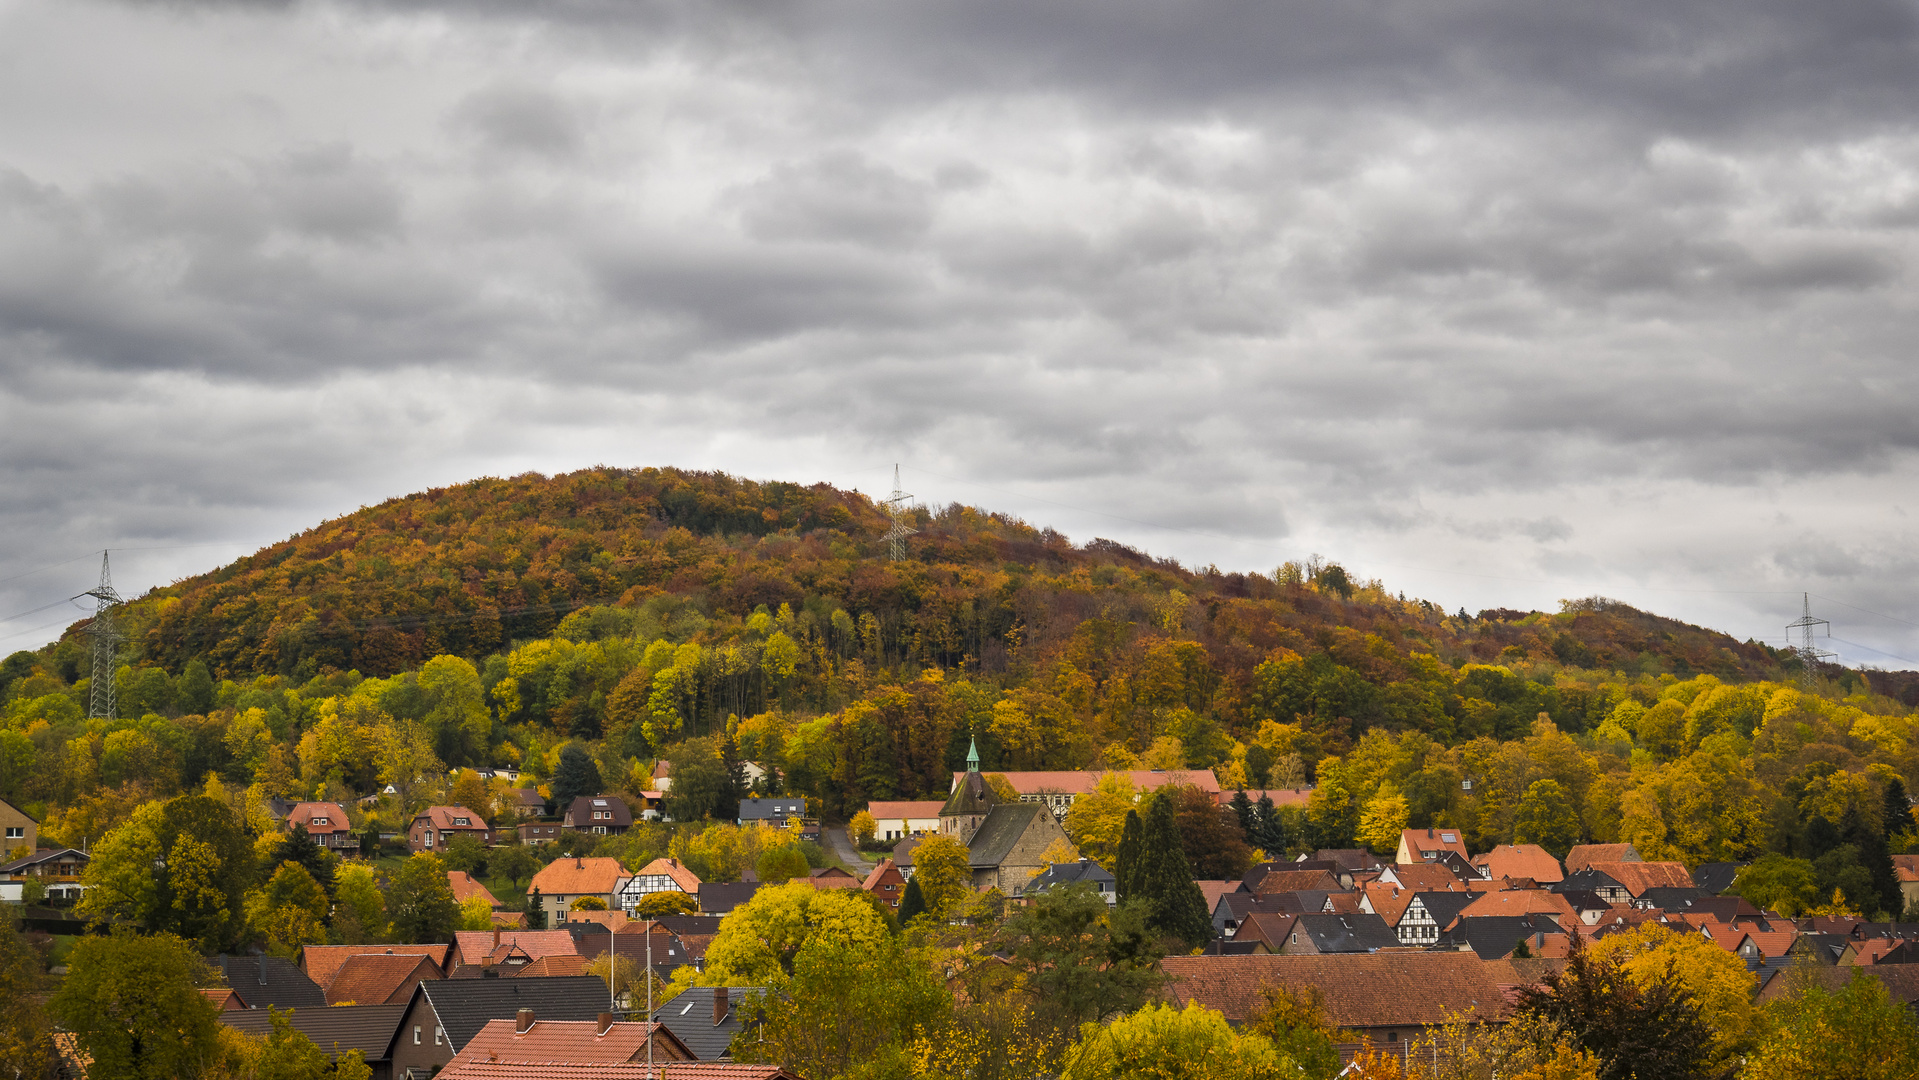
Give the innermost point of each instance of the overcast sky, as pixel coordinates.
(1499, 301)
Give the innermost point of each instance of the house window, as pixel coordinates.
(416, 1034)
(429, 839)
(319, 821)
(462, 821)
(439, 1034)
(16, 832)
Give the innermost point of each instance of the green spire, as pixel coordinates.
(972, 754)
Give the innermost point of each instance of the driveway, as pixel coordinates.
(842, 845)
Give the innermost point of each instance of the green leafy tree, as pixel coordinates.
(196, 688)
(291, 911)
(26, 1043)
(1855, 1033)
(467, 853)
(701, 783)
(457, 716)
(289, 1053)
(852, 1008)
(659, 905)
(1546, 817)
(298, 847)
(1079, 962)
(781, 864)
(1168, 1043)
(1779, 883)
(1209, 835)
(359, 913)
(182, 866)
(134, 1004)
(1296, 1023)
(420, 903)
(943, 868)
(514, 862)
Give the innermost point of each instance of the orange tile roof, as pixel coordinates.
(687, 880)
(465, 888)
(1521, 861)
(223, 998)
(1637, 877)
(1361, 990)
(1389, 902)
(612, 919)
(1584, 855)
(1213, 890)
(1419, 841)
(1519, 902)
(379, 978)
(509, 920)
(1267, 926)
(1906, 867)
(568, 1040)
(880, 870)
(303, 814)
(1868, 952)
(553, 965)
(472, 946)
(322, 962)
(570, 877)
(1773, 944)
(1424, 877)
(1279, 881)
(605, 1070)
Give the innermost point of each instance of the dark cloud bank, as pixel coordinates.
(1499, 301)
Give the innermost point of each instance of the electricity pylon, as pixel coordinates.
(101, 702)
(897, 507)
(1809, 654)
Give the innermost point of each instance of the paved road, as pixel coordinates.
(842, 845)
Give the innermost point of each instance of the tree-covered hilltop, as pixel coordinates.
(638, 615)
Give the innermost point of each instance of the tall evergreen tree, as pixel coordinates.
(1271, 834)
(298, 847)
(1126, 863)
(1897, 816)
(535, 911)
(1166, 878)
(1243, 810)
(1855, 829)
(913, 903)
(576, 776)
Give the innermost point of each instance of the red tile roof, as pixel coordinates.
(572, 877)
(1267, 926)
(885, 811)
(472, 946)
(303, 814)
(1279, 881)
(1389, 902)
(1518, 902)
(1521, 861)
(553, 965)
(465, 888)
(442, 817)
(379, 978)
(322, 962)
(1383, 989)
(687, 880)
(1083, 783)
(1213, 890)
(600, 1070)
(1419, 841)
(1425, 877)
(1906, 867)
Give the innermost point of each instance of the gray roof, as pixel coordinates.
(582, 810)
(463, 1006)
(1673, 898)
(1358, 932)
(1083, 871)
(1587, 879)
(1444, 907)
(44, 855)
(1716, 877)
(1493, 936)
(366, 1028)
(721, 897)
(972, 796)
(768, 809)
(690, 1018)
(268, 980)
(1003, 827)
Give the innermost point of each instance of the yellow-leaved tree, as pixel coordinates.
(1717, 979)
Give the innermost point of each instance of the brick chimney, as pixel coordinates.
(522, 1021)
(719, 1004)
(496, 937)
(606, 1021)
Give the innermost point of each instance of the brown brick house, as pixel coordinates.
(18, 830)
(326, 823)
(435, 826)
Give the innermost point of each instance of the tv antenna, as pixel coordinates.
(101, 702)
(1809, 654)
(897, 507)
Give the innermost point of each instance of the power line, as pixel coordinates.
(49, 566)
(38, 610)
(1870, 649)
(1877, 614)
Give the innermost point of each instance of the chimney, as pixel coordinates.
(719, 1004)
(606, 1021)
(496, 937)
(522, 1021)
(1429, 834)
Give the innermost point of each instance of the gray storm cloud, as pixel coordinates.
(1497, 301)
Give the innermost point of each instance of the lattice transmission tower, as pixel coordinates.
(102, 702)
(898, 507)
(1809, 654)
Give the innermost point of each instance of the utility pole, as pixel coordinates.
(1809, 654)
(101, 700)
(897, 507)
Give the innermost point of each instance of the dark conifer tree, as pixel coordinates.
(1897, 816)
(298, 847)
(1126, 864)
(1243, 809)
(1166, 878)
(1856, 830)
(913, 903)
(535, 911)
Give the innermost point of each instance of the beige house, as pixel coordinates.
(1009, 847)
(565, 880)
(19, 832)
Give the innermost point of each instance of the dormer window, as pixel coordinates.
(319, 821)
(462, 821)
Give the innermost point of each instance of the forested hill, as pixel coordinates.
(467, 570)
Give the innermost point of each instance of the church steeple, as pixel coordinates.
(972, 755)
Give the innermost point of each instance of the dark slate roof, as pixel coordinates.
(1829, 946)
(1670, 898)
(1348, 858)
(463, 1006)
(690, 1018)
(1228, 947)
(1716, 877)
(366, 1028)
(268, 980)
(1083, 872)
(1493, 936)
(1358, 932)
(1588, 879)
(1444, 907)
(1003, 827)
(45, 855)
(770, 808)
(583, 807)
(1584, 900)
(721, 897)
(690, 924)
(972, 796)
